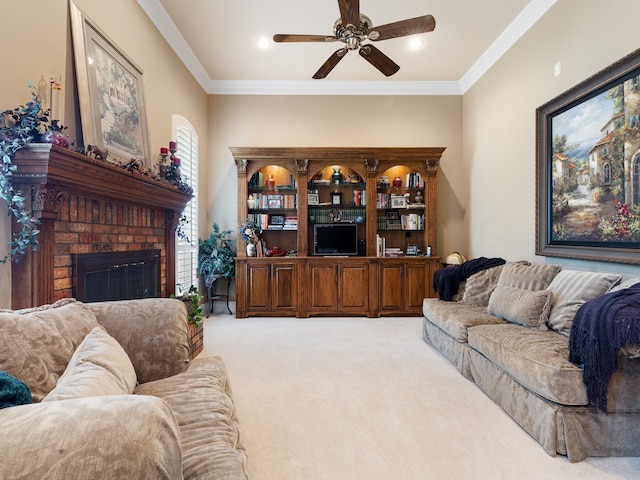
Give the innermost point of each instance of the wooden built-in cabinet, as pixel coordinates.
(388, 193)
(267, 287)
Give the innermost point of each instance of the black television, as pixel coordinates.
(335, 239)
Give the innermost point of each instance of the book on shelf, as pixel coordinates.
(290, 223)
(414, 180)
(412, 221)
(380, 245)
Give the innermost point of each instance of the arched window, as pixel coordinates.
(607, 174)
(187, 251)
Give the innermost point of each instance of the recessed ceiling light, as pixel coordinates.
(416, 43)
(263, 43)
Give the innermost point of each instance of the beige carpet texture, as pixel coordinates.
(367, 399)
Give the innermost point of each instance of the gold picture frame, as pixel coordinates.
(110, 93)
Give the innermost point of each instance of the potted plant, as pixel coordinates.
(216, 257)
(18, 127)
(191, 299)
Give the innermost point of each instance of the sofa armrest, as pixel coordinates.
(118, 436)
(153, 332)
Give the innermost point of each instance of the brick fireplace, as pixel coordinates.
(89, 206)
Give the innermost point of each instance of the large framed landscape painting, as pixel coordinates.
(588, 168)
(110, 93)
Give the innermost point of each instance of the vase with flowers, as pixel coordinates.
(250, 232)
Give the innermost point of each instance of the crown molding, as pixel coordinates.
(168, 29)
(329, 87)
(534, 10)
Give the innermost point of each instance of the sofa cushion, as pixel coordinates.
(456, 318)
(99, 366)
(114, 437)
(155, 334)
(37, 344)
(200, 398)
(571, 289)
(525, 307)
(536, 359)
(528, 277)
(479, 286)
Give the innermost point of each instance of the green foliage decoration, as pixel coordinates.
(192, 300)
(216, 257)
(19, 127)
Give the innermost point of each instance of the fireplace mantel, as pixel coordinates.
(98, 194)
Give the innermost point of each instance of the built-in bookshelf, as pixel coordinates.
(387, 195)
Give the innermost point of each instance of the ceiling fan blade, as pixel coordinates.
(402, 28)
(333, 60)
(280, 37)
(379, 60)
(350, 12)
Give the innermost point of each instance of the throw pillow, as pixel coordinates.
(98, 367)
(525, 307)
(12, 391)
(629, 282)
(528, 277)
(37, 344)
(480, 286)
(572, 288)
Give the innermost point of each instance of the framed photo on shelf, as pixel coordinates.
(392, 215)
(398, 201)
(110, 93)
(312, 199)
(276, 219)
(588, 168)
(274, 201)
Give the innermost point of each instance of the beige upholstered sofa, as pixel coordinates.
(114, 396)
(508, 331)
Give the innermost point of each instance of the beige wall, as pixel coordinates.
(487, 180)
(499, 119)
(341, 121)
(37, 41)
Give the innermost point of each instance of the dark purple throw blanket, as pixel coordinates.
(446, 281)
(602, 327)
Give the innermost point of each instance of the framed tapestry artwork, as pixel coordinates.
(110, 93)
(588, 168)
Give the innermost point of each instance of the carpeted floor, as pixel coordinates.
(367, 399)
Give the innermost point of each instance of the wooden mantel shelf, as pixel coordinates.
(50, 165)
(50, 176)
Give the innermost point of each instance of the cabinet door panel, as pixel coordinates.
(416, 286)
(392, 287)
(323, 294)
(355, 287)
(258, 293)
(285, 288)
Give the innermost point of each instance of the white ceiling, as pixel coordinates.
(218, 42)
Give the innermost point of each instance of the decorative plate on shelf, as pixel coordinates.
(335, 215)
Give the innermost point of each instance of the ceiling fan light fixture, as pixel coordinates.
(416, 43)
(353, 29)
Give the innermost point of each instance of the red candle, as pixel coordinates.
(172, 145)
(164, 151)
(176, 161)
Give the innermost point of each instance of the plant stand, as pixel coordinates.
(213, 296)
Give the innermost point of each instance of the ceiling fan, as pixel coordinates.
(354, 28)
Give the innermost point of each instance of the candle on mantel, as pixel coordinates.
(164, 151)
(176, 161)
(172, 145)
